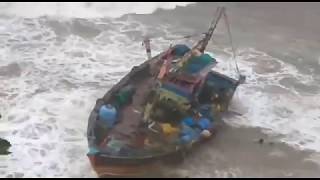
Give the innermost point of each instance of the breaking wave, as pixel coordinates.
(82, 9)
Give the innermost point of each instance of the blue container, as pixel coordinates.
(189, 121)
(204, 123)
(180, 50)
(188, 135)
(108, 114)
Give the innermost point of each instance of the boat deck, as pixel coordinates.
(131, 116)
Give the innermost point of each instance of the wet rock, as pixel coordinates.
(4, 146)
(261, 141)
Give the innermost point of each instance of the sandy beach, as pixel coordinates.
(235, 152)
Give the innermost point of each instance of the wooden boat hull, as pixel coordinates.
(105, 165)
(104, 169)
(117, 167)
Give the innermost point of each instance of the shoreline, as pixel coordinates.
(236, 152)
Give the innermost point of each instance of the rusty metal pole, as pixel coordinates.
(146, 43)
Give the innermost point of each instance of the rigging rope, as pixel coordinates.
(220, 12)
(231, 42)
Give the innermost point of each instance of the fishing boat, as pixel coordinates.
(159, 110)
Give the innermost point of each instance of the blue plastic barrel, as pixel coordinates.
(108, 114)
(189, 121)
(204, 123)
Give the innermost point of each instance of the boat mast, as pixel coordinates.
(202, 44)
(213, 25)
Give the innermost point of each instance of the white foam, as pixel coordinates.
(289, 113)
(45, 110)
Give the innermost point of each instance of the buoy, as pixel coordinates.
(206, 133)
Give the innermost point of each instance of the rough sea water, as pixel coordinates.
(56, 59)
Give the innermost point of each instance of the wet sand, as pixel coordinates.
(236, 152)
